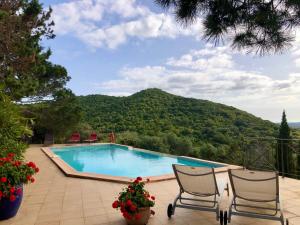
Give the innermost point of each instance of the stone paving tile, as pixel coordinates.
(59, 200)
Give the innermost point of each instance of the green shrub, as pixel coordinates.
(128, 138)
(178, 146)
(152, 143)
(183, 146)
(208, 151)
(13, 128)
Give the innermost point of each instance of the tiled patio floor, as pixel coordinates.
(58, 200)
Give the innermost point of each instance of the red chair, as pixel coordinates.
(75, 138)
(93, 138)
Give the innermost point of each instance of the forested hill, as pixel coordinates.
(153, 112)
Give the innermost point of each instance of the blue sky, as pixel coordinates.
(118, 47)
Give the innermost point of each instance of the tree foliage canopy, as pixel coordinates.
(263, 26)
(58, 116)
(26, 74)
(24, 67)
(284, 154)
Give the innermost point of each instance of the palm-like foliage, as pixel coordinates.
(262, 26)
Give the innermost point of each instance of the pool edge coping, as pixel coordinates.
(71, 172)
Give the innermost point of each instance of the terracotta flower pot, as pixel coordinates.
(145, 215)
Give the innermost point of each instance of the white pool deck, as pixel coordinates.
(59, 200)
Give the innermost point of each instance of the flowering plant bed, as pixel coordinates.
(13, 174)
(134, 203)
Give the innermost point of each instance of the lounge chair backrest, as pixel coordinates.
(93, 136)
(256, 186)
(196, 180)
(75, 136)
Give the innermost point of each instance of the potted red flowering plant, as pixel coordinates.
(135, 202)
(13, 174)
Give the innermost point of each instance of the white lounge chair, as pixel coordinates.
(200, 186)
(255, 194)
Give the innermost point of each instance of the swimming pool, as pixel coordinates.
(122, 161)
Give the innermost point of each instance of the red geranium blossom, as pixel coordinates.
(132, 208)
(11, 155)
(19, 191)
(132, 199)
(12, 198)
(13, 173)
(129, 202)
(12, 190)
(115, 204)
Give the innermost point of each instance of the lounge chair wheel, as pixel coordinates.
(221, 218)
(225, 218)
(170, 210)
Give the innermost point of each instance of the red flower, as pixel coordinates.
(17, 163)
(31, 164)
(12, 190)
(122, 208)
(152, 212)
(127, 215)
(133, 197)
(10, 155)
(12, 198)
(115, 204)
(132, 208)
(19, 191)
(32, 180)
(3, 179)
(138, 216)
(1, 194)
(129, 202)
(37, 169)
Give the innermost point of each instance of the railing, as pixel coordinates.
(282, 155)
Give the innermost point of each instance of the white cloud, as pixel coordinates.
(209, 59)
(91, 22)
(297, 62)
(212, 74)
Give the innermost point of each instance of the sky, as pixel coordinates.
(119, 47)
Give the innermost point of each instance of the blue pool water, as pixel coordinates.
(118, 160)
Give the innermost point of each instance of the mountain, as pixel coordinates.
(157, 114)
(153, 111)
